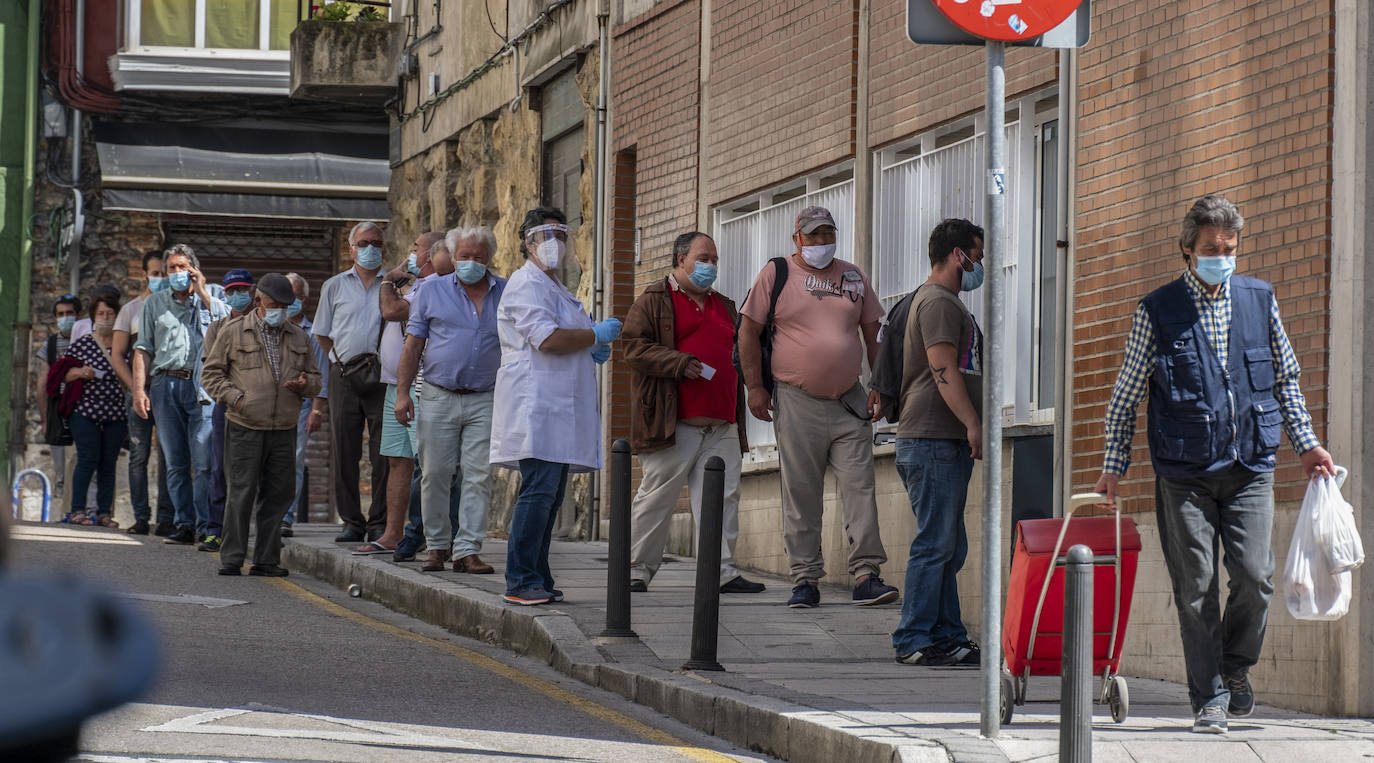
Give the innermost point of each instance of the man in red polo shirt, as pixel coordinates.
(686, 404)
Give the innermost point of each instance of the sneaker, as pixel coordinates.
(874, 591)
(638, 586)
(1211, 719)
(742, 584)
(140, 527)
(805, 596)
(164, 529)
(211, 543)
(555, 595)
(268, 571)
(286, 531)
(528, 597)
(182, 536)
(1242, 696)
(965, 655)
(407, 549)
(929, 657)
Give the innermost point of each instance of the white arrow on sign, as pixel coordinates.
(185, 598)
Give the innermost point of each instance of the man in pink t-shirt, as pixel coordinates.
(820, 412)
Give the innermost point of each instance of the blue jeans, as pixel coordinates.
(1232, 510)
(219, 491)
(531, 526)
(415, 524)
(140, 453)
(97, 453)
(183, 426)
(936, 474)
(302, 439)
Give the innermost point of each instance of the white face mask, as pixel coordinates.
(549, 253)
(818, 256)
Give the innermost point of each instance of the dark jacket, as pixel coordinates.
(656, 368)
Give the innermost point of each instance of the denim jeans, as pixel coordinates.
(183, 426)
(415, 523)
(97, 453)
(302, 439)
(531, 526)
(1232, 510)
(219, 490)
(936, 474)
(140, 454)
(455, 432)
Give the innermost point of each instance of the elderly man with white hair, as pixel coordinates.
(348, 326)
(453, 325)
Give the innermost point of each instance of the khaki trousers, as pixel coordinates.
(813, 433)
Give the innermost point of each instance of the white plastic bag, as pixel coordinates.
(1336, 533)
(1311, 590)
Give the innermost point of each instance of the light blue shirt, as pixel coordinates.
(172, 332)
(462, 348)
(350, 314)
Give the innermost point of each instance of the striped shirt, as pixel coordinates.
(1214, 312)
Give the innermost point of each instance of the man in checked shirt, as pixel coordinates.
(1210, 351)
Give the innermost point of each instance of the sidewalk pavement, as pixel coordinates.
(802, 685)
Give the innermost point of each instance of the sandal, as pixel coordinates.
(78, 518)
(106, 520)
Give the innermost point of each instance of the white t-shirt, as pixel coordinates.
(80, 329)
(394, 339)
(128, 317)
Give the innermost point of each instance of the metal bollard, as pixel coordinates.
(16, 493)
(618, 563)
(1075, 692)
(706, 611)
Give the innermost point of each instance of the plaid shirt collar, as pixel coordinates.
(1201, 292)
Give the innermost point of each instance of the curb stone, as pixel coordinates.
(760, 723)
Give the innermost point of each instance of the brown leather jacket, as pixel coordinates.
(656, 367)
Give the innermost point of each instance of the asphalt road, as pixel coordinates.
(300, 671)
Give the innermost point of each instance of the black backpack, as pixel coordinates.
(769, 327)
(887, 374)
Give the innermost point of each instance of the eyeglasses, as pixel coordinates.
(368, 242)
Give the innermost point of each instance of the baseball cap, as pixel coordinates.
(238, 277)
(812, 218)
(278, 288)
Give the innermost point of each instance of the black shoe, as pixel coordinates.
(741, 585)
(182, 536)
(200, 538)
(966, 654)
(1242, 696)
(139, 527)
(230, 569)
(164, 529)
(929, 657)
(638, 586)
(286, 531)
(349, 535)
(211, 543)
(874, 591)
(407, 549)
(268, 571)
(805, 596)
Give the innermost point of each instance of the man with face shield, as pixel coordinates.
(822, 416)
(939, 436)
(545, 421)
(259, 368)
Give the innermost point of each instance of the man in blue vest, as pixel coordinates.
(1210, 350)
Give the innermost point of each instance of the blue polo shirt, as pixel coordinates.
(462, 349)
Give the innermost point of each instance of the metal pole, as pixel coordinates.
(1075, 687)
(618, 563)
(599, 235)
(993, 315)
(706, 613)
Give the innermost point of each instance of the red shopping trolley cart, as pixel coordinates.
(1032, 631)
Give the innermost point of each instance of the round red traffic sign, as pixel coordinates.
(1007, 20)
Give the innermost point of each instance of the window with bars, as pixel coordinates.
(263, 25)
(751, 231)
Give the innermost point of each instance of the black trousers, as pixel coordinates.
(349, 413)
(257, 463)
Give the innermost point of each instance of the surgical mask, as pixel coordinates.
(156, 284)
(1215, 270)
(370, 257)
(703, 275)
(469, 271)
(180, 280)
(818, 256)
(412, 265)
(103, 328)
(971, 280)
(65, 323)
(550, 252)
(274, 316)
(294, 309)
(239, 300)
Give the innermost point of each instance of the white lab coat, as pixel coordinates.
(545, 405)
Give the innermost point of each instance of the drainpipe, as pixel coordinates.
(19, 390)
(1064, 252)
(603, 14)
(78, 208)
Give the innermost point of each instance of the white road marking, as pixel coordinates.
(368, 733)
(25, 532)
(93, 758)
(185, 598)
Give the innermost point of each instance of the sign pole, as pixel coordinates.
(995, 252)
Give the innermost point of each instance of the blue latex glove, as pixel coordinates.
(606, 331)
(601, 352)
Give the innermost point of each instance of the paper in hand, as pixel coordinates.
(707, 372)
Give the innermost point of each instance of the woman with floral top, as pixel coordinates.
(99, 422)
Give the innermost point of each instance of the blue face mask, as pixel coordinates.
(469, 271)
(156, 284)
(180, 280)
(971, 279)
(239, 301)
(412, 265)
(294, 309)
(703, 275)
(1216, 270)
(370, 257)
(274, 316)
(65, 323)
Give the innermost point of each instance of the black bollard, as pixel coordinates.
(706, 612)
(618, 563)
(1075, 688)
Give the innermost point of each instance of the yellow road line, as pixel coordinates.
(636, 727)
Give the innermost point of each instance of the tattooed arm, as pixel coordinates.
(945, 370)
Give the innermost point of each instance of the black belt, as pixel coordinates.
(458, 391)
(177, 372)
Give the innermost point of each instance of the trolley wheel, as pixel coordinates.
(1118, 699)
(1008, 697)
